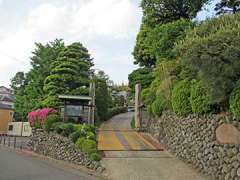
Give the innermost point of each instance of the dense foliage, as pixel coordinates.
(70, 73)
(197, 65)
(144, 76)
(211, 53)
(103, 98)
(180, 98)
(235, 101)
(199, 98)
(29, 87)
(163, 11)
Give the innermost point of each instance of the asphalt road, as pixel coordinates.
(19, 166)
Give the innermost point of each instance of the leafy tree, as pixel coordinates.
(70, 72)
(163, 11)
(141, 52)
(227, 6)
(103, 99)
(162, 39)
(144, 76)
(29, 87)
(212, 55)
(17, 82)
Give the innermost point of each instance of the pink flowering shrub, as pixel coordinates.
(37, 118)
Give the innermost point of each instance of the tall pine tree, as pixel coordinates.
(69, 75)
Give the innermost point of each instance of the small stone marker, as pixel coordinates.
(228, 134)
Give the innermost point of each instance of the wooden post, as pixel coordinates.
(138, 118)
(93, 102)
(90, 103)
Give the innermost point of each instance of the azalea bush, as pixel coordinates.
(37, 118)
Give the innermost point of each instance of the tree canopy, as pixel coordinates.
(164, 11)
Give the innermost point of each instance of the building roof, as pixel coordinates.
(5, 106)
(69, 97)
(8, 98)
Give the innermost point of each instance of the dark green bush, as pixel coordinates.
(75, 136)
(158, 106)
(211, 53)
(89, 146)
(199, 99)
(95, 157)
(51, 119)
(57, 127)
(64, 129)
(235, 101)
(180, 98)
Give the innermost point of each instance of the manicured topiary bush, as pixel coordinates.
(199, 98)
(180, 98)
(50, 120)
(235, 101)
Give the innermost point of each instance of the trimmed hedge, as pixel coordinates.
(235, 101)
(199, 99)
(180, 98)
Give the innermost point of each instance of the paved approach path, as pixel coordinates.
(20, 166)
(141, 163)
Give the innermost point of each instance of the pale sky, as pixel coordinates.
(108, 28)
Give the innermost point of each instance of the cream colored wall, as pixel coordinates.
(6, 116)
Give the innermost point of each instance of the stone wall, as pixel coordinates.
(60, 148)
(193, 139)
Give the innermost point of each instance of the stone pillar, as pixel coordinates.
(138, 118)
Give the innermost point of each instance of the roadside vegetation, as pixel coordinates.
(188, 66)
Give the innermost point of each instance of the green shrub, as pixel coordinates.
(79, 143)
(51, 119)
(64, 129)
(75, 136)
(57, 127)
(211, 53)
(91, 135)
(133, 123)
(95, 157)
(180, 98)
(199, 99)
(89, 146)
(235, 101)
(158, 106)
